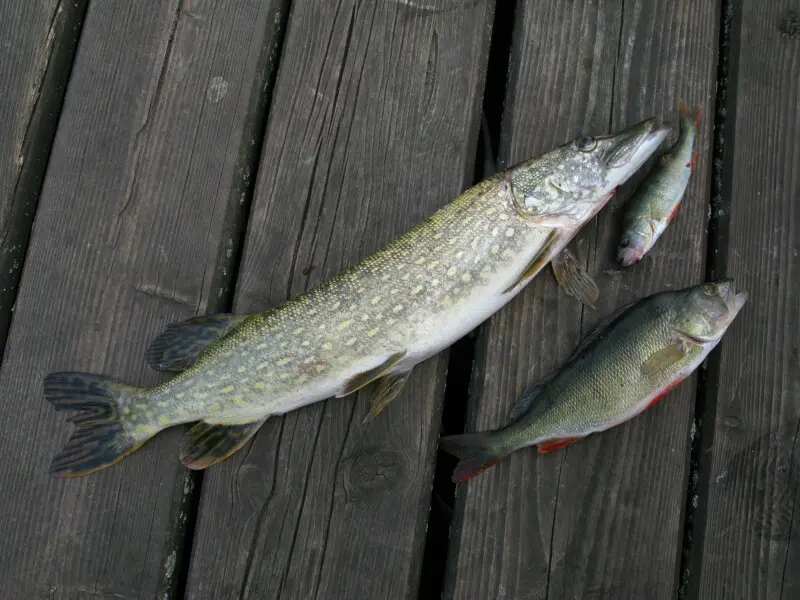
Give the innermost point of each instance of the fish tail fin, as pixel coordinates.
(103, 434)
(690, 118)
(476, 453)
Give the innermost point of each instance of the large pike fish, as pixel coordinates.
(371, 323)
(630, 361)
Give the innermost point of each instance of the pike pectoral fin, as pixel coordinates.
(386, 389)
(177, 347)
(538, 261)
(554, 444)
(664, 358)
(207, 444)
(361, 379)
(573, 278)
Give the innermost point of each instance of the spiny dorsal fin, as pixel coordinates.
(207, 444)
(361, 379)
(386, 389)
(179, 345)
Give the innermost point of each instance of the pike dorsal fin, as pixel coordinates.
(179, 345)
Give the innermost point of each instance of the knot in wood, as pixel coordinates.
(373, 471)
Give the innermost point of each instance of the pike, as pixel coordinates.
(624, 366)
(656, 201)
(371, 323)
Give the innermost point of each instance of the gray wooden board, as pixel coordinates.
(373, 126)
(129, 226)
(750, 546)
(37, 44)
(604, 517)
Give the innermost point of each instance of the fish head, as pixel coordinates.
(568, 185)
(709, 309)
(634, 243)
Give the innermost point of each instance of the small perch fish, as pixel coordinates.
(628, 363)
(657, 199)
(372, 323)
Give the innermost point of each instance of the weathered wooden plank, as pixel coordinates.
(748, 540)
(39, 40)
(602, 518)
(373, 127)
(145, 168)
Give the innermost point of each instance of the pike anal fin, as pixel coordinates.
(207, 444)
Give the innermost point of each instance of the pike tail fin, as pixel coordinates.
(476, 451)
(102, 435)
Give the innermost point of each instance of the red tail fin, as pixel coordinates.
(686, 113)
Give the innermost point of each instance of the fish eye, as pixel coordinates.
(585, 143)
(624, 242)
(709, 290)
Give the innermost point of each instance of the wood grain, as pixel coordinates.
(144, 170)
(373, 127)
(750, 544)
(602, 518)
(36, 52)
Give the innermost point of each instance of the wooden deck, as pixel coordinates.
(173, 157)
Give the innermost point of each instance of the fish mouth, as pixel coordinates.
(733, 300)
(629, 256)
(631, 148)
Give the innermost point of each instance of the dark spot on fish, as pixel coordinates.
(307, 271)
(789, 25)
(373, 471)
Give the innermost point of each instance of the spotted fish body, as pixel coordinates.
(411, 299)
(373, 322)
(656, 201)
(627, 364)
